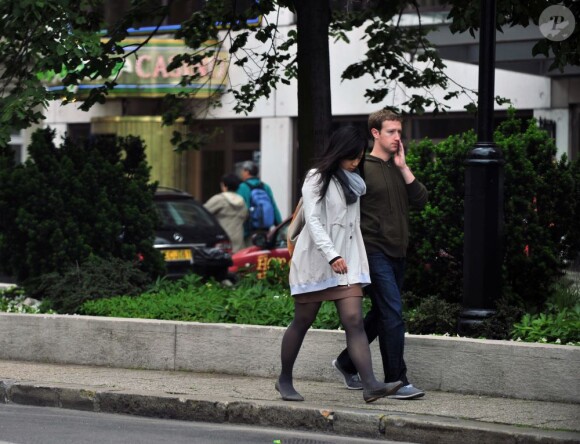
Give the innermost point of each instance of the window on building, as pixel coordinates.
(181, 10)
(438, 128)
(548, 125)
(78, 131)
(213, 170)
(230, 142)
(246, 133)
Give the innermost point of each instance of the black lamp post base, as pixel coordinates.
(471, 320)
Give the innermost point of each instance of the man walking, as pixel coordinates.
(391, 190)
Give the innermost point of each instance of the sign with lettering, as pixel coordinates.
(144, 73)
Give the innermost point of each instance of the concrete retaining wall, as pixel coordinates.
(497, 368)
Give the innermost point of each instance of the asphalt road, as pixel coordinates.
(47, 425)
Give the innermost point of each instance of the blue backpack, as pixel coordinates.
(261, 208)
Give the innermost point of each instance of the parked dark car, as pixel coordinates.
(189, 237)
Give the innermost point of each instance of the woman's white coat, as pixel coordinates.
(332, 229)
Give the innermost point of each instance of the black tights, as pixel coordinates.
(350, 313)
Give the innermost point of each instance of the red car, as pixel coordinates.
(267, 247)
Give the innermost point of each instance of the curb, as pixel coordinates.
(344, 422)
(480, 367)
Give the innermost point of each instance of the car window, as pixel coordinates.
(183, 212)
(281, 240)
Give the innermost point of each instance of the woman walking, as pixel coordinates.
(329, 261)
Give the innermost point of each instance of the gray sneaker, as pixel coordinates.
(352, 381)
(408, 392)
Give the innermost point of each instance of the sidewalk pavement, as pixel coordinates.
(439, 417)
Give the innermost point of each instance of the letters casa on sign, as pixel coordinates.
(145, 73)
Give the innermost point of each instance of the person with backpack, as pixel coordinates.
(263, 211)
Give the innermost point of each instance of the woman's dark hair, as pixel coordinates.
(346, 143)
(231, 181)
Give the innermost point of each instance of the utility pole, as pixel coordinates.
(483, 206)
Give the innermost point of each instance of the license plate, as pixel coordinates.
(177, 255)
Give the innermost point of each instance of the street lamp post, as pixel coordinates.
(483, 206)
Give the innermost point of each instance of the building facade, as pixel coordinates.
(268, 134)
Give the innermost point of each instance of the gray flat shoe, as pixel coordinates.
(288, 396)
(387, 389)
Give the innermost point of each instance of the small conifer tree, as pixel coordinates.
(69, 202)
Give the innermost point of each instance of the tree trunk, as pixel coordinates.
(314, 105)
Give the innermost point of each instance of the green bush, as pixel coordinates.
(95, 278)
(432, 315)
(191, 299)
(561, 327)
(435, 253)
(69, 202)
(500, 324)
(251, 301)
(542, 213)
(560, 320)
(14, 300)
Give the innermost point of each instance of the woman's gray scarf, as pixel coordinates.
(352, 184)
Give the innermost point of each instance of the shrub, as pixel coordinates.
(192, 299)
(541, 211)
(542, 208)
(251, 301)
(560, 320)
(95, 278)
(435, 253)
(432, 315)
(14, 300)
(70, 202)
(561, 327)
(500, 324)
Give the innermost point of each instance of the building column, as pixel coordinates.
(276, 160)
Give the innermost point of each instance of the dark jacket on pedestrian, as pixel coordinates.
(385, 207)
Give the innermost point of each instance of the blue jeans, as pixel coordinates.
(385, 319)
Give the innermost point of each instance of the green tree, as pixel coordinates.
(62, 36)
(69, 202)
(541, 215)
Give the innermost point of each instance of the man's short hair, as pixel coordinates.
(377, 118)
(250, 167)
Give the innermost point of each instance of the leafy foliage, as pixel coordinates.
(435, 254)
(500, 324)
(266, 301)
(253, 300)
(541, 215)
(559, 322)
(432, 315)
(465, 16)
(14, 300)
(67, 203)
(94, 279)
(397, 57)
(562, 327)
(75, 46)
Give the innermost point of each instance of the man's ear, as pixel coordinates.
(375, 132)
